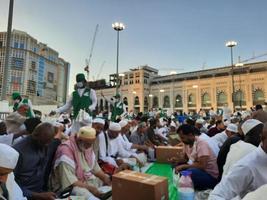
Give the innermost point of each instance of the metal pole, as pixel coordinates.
(8, 41)
(117, 68)
(233, 86)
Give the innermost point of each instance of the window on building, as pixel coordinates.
(16, 45)
(125, 101)
(191, 100)
(239, 98)
(205, 100)
(155, 102)
(1, 44)
(50, 77)
(146, 102)
(221, 99)
(166, 102)
(258, 97)
(33, 65)
(136, 101)
(21, 45)
(178, 101)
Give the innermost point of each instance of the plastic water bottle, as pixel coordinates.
(186, 188)
(176, 178)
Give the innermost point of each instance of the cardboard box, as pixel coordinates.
(131, 185)
(164, 153)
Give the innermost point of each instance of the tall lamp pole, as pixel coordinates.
(240, 97)
(232, 44)
(8, 41)
(117, 26)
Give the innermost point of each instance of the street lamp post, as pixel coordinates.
(232, 44)
(240, 98)
(8, 44)
(117, 26)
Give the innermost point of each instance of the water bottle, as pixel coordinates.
(176, 178)
(186, 188)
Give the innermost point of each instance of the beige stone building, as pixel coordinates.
(142, 88)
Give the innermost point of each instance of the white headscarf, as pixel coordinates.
(9, 157)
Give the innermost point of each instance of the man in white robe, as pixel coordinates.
(9, 189)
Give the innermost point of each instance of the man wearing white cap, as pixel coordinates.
(232, 137)
(252, 129)
(9, 190)
(247, 175)
(220, 138)
(111, 150)
(76, 165)
(128, 146)
(98, 125)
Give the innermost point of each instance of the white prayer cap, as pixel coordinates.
(226, 122)
(99, 121)
(232, 127)
(123, 123)
(249, 124)
(9, 157)
(114, 126)
(245, 114)
(200, 121)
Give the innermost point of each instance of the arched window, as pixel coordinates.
(136, 101)
(221, 99)
(166, 101)
(146, 102)
(101, 105)
(155, 102)
(125, 101)
(239, 98)
(191, 100)
(178, 101)
(205, 100)
(258, 97)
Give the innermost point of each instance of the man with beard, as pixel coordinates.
(111, 152)
(76, 165)
(198, 158)
(9, 190)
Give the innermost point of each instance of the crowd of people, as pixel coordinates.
(41, 158)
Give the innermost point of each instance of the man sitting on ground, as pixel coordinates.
(9, 189)
(111, 152)
(252, 129)
(33, 160)
(76, 165)
(217, 129)
(140, 135)
(198, 158)
(247, 175)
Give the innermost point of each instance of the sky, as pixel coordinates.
(185, 35)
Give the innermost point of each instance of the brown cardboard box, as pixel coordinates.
(131, 185)
(164, 153)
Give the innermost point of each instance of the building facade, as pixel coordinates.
(143, 88)
(35, 70)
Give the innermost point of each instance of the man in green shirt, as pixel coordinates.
(24, 105)
(119, 108)
(83, 98)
